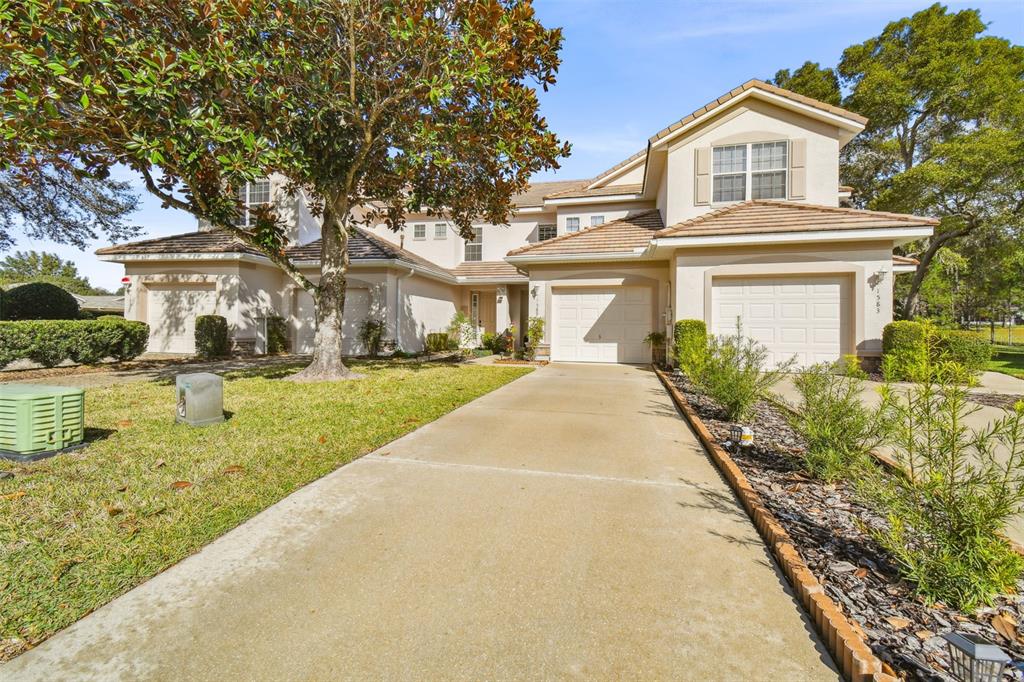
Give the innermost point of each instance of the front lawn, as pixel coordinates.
(82, 528)
(1008, 360)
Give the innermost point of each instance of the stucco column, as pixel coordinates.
(502, 314)
(536, 296)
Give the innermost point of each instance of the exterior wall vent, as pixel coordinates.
(39, 421)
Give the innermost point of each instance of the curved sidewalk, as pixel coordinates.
(567, 525)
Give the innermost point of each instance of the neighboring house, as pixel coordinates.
(732, 213)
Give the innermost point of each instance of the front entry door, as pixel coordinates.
(483, 310)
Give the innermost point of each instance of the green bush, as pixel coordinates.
(277, 335)
(371, 335)
(971, 352)
(51, 342)
(438, 342)
(905, 355)
(505, 342)
(38, 301)
(487, 340)
(691, 347)
(946, 514)
(839, 429)
(534, 335)
(735, 374)
(849, 366)
(211, 336)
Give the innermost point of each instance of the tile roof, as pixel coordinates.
(621, 164)
(754, 83)
(904, 260)
(491, 269)
(765, 216)
(535, 193)
(607, 190)
(626, 234)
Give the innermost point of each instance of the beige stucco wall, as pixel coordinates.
(423, 306)
(753, 121)
(869, 264)
(631, 177)
(224, 276)
(545, 278)
(586, 212)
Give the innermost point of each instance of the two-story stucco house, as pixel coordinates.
(731, 213)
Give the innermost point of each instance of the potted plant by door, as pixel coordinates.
(656, 340)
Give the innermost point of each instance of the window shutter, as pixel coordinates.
(702, 195)
(798, 169)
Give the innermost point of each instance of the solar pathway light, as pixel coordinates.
(975, 659)
(741, 436)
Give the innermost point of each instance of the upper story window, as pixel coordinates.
(749, 171)
(419, 231)
(250, 196)
(475, 248)
(572, 224)
(545, 232)
(440, 231)
(596, 220)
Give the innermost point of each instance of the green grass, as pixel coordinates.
(1004, 335)
(1008, 360)
(79, 529)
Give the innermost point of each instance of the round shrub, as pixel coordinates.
(905, 351)
(277, 335)
(211, 336)
(964, 348)
(39, 301)
(691, 346)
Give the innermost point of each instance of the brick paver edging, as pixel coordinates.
(849, 650)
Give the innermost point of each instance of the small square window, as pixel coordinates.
(572, 224)
(596, 220)
(440, 231)
(419, 231)
(545, 232)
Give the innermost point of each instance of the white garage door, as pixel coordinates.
(357, 309)
(171, 314)
(802, 316)
(601, 324)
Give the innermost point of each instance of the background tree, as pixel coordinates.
(945, 105)
(33, 266)
(372, 108)
(61, 203)
(812, 80)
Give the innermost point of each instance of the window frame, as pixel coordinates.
(443, 233)
(596, 217)
(478, 242)
(749, 172)
(551, 227)
(248, 189)
(416, 229)
(575, 229)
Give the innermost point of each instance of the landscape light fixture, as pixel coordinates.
(741, 436)
(974, 658)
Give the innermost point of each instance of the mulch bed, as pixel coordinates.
(827, 525)
(510, 361)
(1004, 401)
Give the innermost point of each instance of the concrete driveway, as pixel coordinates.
(567, 525)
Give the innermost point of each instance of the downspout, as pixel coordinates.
(398, 307)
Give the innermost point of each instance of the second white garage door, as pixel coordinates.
(601, 324)
(357, 308)
(803, 316)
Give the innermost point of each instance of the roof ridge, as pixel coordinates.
(589, 230)
(583, 189)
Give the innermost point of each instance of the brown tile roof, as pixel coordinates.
(363, 245)
(764, 216)
(625, 234)
(845, 188)
(620, 164)
(760, 85)
(904, 260)
(489, 269)
(535, 193)
(597, 191)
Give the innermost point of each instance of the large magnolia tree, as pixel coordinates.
(371, 108)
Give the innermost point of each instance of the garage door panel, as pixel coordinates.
(808, 316)
(601, 324)
(171, 315)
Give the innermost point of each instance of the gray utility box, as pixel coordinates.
(200, 399)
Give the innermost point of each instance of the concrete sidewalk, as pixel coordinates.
(567, 525)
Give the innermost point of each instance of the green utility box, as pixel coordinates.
(39, 421)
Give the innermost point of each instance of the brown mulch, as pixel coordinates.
(537, 363)
(1004, 401)
(829, 527)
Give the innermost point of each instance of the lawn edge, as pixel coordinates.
(850, 651)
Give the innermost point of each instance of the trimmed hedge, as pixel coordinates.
(211, 336)
(438, 342)
(691, 346)
(51, 342)
(972, 352)
(38, 301)
(905, 351)
(277, 335)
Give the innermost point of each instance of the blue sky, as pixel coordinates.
(632, 67)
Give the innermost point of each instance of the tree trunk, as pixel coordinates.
(329, 303)
(936, 243)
